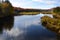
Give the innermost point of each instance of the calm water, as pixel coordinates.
(25, 27)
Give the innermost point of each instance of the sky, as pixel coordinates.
(37, 4)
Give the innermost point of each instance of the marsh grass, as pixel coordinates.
(29, 13)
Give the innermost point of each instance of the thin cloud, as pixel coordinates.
(49, 2)
(38, 0)
(38, 4)
(20, 3)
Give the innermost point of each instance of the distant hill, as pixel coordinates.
(18, 9)
(26, 10)
(22, 9)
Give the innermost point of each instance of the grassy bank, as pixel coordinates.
(52, 24)
(29, 13)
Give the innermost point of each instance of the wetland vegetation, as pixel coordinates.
(53, 24)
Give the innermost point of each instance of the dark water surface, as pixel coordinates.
(25, 27)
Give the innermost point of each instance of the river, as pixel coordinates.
(25, 27)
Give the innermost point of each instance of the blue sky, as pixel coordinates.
(38, 4)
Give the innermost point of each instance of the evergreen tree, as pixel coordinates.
(56, 10)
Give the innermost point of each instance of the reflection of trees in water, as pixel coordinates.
(6, 23)
(58, 37)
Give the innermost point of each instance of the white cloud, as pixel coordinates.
(20, 3)
(49, 2)
(38, 4)
(38, 0)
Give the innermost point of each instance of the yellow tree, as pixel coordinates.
(7, 8)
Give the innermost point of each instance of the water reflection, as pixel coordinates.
(25, 28)
(6, 23)
(37, 32)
